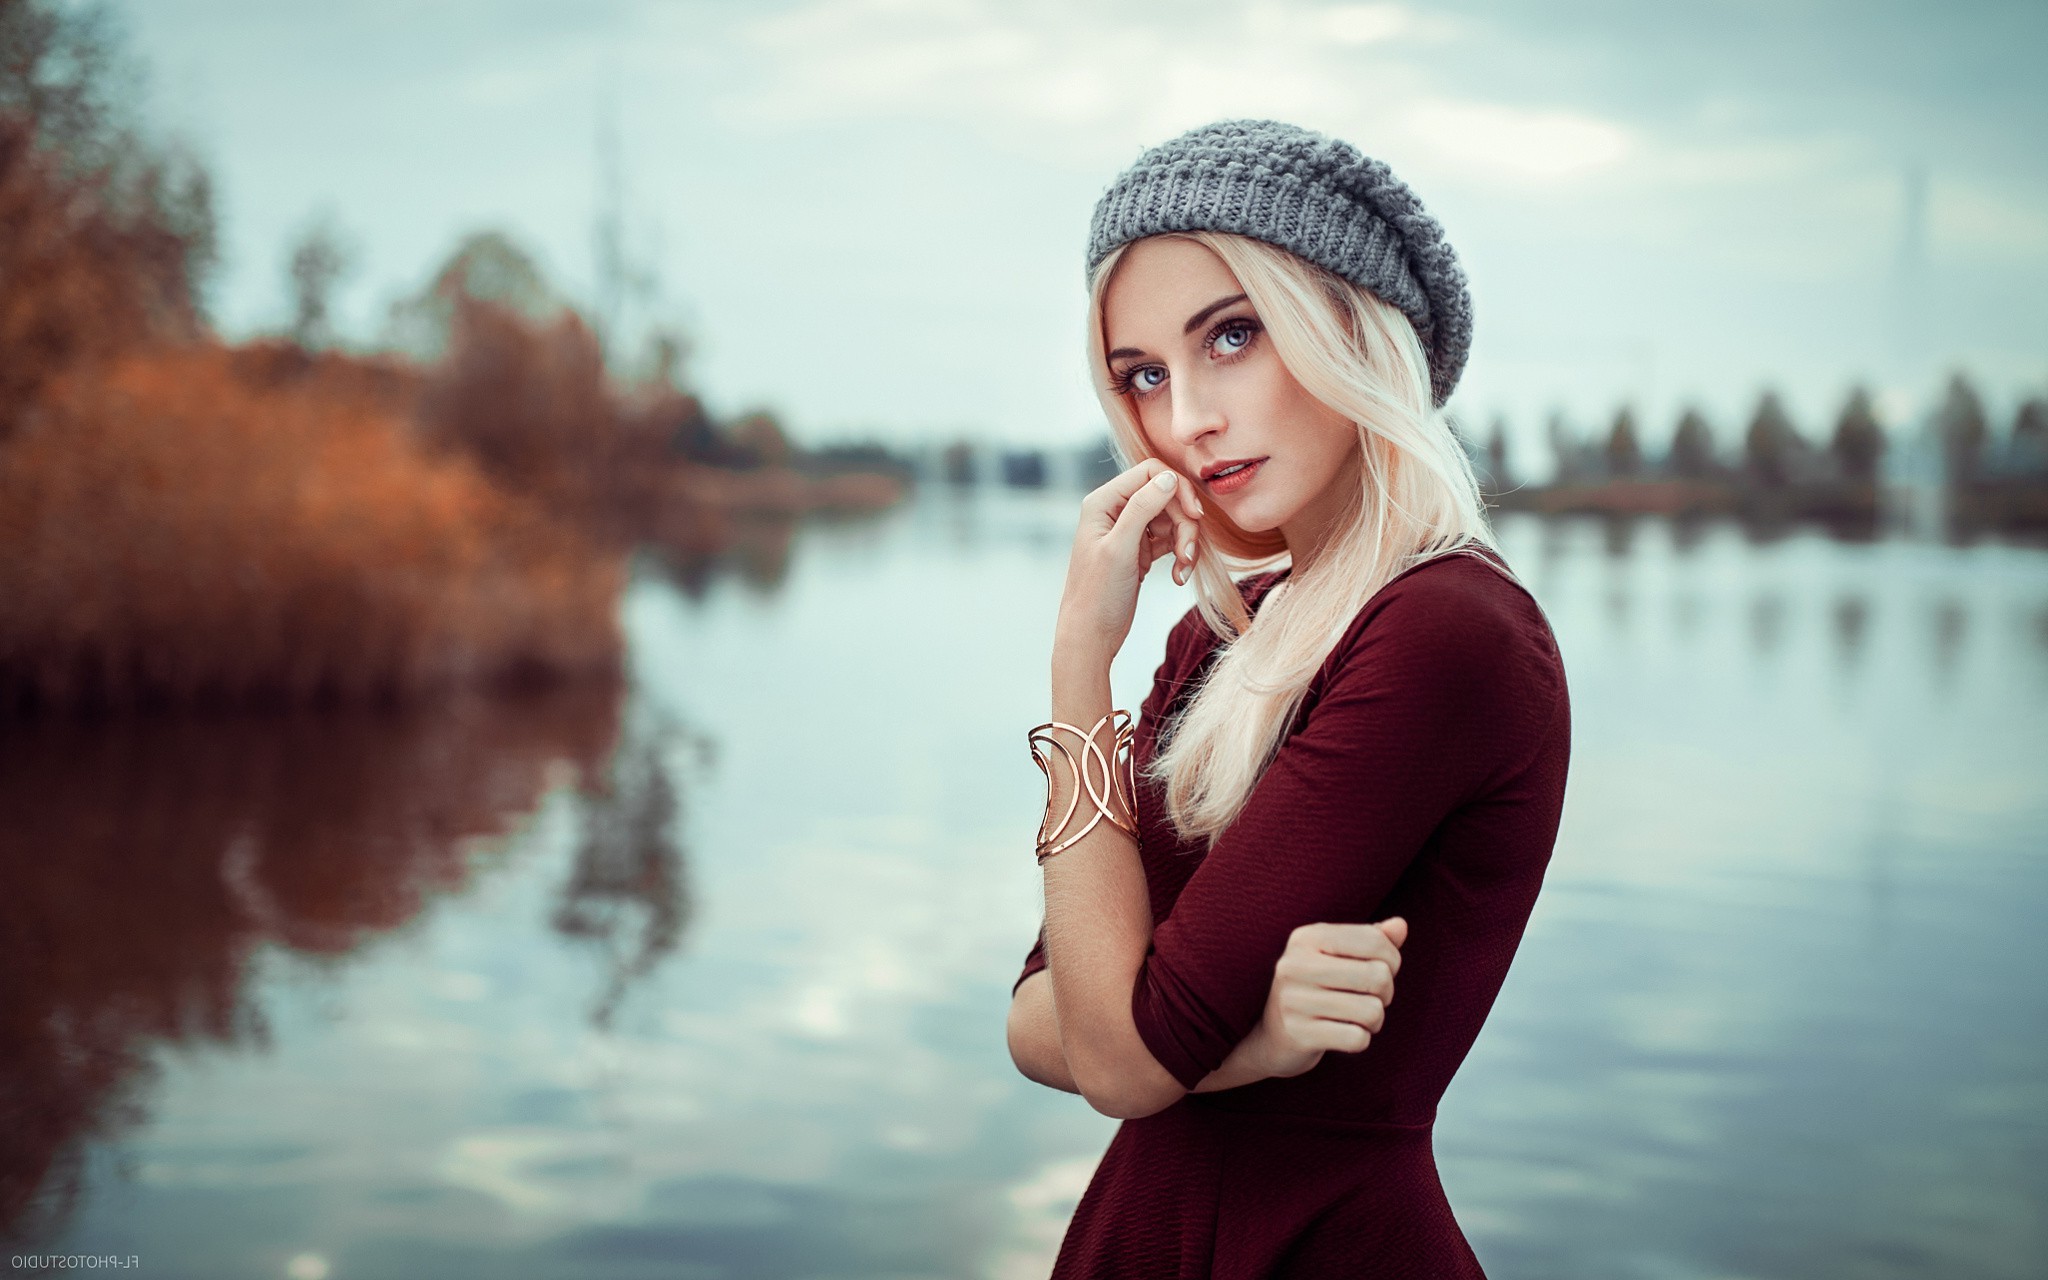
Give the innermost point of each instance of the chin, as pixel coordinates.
(1257, 516)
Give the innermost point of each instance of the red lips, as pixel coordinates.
(1237, 479)
(1209, 472)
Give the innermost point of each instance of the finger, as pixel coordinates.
(1368, 1011)
(1359, 941)
(1186, 543)
(1185, 512)
(1162, 531)
(1343, 973)
(1396, 929)
(1107, 502)
(1173, 534)
(1138, 510)
(1325, 1033)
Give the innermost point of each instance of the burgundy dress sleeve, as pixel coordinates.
(1439, 688)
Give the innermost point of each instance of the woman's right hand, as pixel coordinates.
(1331, 989)
(1125, 525)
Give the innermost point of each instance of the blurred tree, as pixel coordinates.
(106, 238)
(520, 385)
(957, 461)
(2029, 451)
(1499, 479)
(1564, 447)
(317, 263)
(1772, 447)
(528, 402)
(1624, 454)
(758, 440)
(1963, 430)
(696, 437)
(1692, 447)
(487, 266)
(664, 399)
(668, 355)
(1858, 446)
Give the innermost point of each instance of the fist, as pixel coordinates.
(1331, 989)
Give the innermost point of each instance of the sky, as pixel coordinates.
(870, 215)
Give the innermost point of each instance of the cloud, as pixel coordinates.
(1090, 85)
(1498, 140)
(1084, 82)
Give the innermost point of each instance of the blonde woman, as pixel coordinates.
(1351, 763)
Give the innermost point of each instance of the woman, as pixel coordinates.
(1349, 765)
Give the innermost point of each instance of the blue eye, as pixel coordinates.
(1235, 335)
(1127, 382)
(1241, 330)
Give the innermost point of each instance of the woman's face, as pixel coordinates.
(1197, 367)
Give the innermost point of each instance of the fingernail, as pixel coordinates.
(1188, 548)
(1164, 479)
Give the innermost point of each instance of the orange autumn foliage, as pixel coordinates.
(198, 523)
(533, 404)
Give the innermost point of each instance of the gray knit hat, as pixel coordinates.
(1310, 194)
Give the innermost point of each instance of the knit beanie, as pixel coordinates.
(1310, 194)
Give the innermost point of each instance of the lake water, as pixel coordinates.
(709, 979)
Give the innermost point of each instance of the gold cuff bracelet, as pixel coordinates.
(1116, 771)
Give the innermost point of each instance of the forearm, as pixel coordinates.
(1243, 1066)
(1098, 921)
(1035, 1035)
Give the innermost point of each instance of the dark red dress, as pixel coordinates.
(1423, 777)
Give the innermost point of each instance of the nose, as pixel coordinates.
(1197, 411)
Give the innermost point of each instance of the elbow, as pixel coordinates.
(1024, 1055)
(1037, 1071)
(1129, 1094)
(1133, 1107)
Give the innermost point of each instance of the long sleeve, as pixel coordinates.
(1439, 688)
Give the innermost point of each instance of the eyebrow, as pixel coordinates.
(1194, 321)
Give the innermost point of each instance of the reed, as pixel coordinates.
(198, 523)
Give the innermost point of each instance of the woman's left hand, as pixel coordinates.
(1127, 524)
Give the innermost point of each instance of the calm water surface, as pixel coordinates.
(709, 979)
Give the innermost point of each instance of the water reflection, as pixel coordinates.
(626, 894)
(757, 552)
(1766, 622)
(1686, 611)
(1851, 628)
(149, 859)
(1951, 628)
(747, 1021)
(1619, 535)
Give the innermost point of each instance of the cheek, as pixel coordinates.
(1305, 422)
(1154, 425)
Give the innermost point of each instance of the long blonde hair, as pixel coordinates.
(1417, 498)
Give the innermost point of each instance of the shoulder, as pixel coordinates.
(1461, 616)
(1472, 587)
